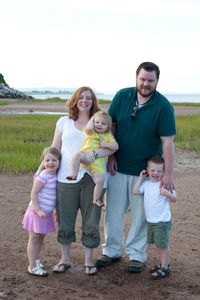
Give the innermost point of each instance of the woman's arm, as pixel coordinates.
(57, 142)
(57, 139)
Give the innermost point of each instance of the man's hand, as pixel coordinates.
(112, 166)
(167, 182)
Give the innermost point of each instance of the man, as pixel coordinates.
(144, 126)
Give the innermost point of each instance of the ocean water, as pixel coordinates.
(193, 98)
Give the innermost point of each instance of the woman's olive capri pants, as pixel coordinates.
(71, 197)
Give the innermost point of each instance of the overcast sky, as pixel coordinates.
(99, 43)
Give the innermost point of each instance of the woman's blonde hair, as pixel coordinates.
(72, 104)
(102, 114)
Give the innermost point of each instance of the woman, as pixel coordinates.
(68, 138)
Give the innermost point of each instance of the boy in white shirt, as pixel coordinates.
(157, 211)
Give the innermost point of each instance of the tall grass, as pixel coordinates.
(188, 132)
(3, 102)
(23, 138)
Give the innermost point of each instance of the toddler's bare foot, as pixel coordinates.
(71, 177)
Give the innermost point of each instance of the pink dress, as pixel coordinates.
(47, 201)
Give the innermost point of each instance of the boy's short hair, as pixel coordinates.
(52, 150)
(105, 116)
(159, 160)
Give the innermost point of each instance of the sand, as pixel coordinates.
(113, 282)
(61, 107)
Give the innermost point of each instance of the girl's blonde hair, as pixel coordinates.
(72, 104)
(52, 150)
(102, 114)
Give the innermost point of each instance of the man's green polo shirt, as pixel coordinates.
(140, 139)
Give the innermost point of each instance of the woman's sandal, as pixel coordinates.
(61, 268)
(88, 270)
(161, 273)
(37, 271)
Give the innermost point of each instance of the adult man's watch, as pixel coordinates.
(95, 154)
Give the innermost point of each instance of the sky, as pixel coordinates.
(71, 43)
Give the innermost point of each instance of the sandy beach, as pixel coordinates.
(114, 282)
(61, 107)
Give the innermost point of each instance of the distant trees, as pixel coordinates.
(2, 80)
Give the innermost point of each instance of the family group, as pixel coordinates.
(127, 152)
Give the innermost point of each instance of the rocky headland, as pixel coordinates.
(8, 92)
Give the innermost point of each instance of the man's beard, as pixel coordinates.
(145, 95)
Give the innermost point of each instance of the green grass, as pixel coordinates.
(3, 102)
(188, 132)
(23, 138)
(185, 104)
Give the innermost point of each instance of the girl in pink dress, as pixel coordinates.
(38, 218)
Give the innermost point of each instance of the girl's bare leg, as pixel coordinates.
(34, 244)
(99, 180)
(39, 246)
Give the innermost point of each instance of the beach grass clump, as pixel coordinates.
(188, 132)
(22, 140)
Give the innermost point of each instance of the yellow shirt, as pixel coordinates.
(91, 142)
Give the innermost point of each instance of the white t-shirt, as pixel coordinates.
(72, 141)
(157, 208)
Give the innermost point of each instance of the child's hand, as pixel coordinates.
(164, 192)
(143, 174)
(55, 214)
(41, 213)
(102, 144)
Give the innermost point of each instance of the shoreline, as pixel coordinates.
(61, 107)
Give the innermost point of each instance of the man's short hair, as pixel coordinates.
(149, 67)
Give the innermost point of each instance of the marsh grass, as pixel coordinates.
(3, 102)
(185, 104)
(23, 138)
(188, 132)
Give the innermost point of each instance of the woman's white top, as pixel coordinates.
(72, 141)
